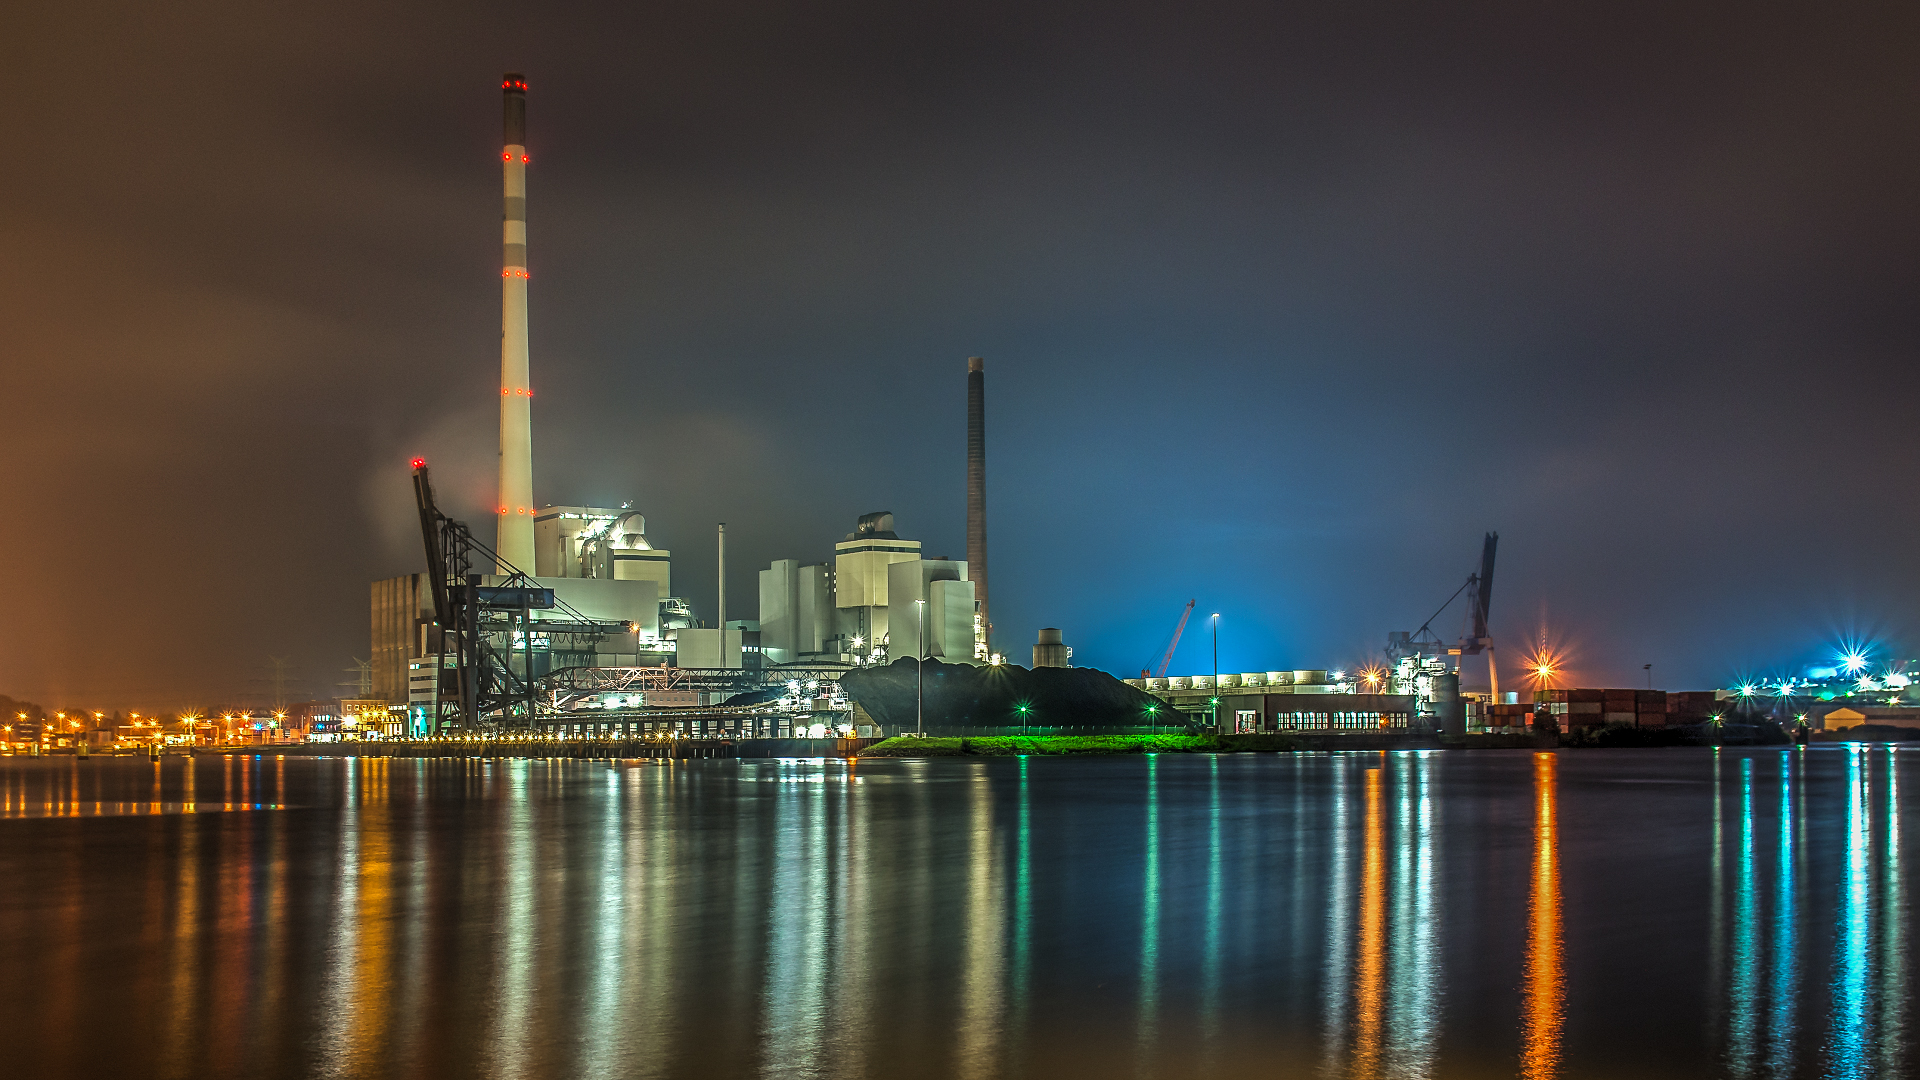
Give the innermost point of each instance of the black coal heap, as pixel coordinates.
(961, 698)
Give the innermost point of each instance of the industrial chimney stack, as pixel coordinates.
(515, 543)
(977, 500)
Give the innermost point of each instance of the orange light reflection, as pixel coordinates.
(1370, 980)
(1542, 1006)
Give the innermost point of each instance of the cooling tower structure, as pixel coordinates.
(977, 502)
(515, 507)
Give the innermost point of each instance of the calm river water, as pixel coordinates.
(1590, 913)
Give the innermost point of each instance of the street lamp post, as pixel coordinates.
(1216, 673)
(919, 663)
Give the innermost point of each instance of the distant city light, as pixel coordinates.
(1853, 661)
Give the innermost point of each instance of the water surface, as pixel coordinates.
(1643, 913)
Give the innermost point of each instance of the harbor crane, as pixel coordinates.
(1178, 629)
(1479, 590)
(1480, 597)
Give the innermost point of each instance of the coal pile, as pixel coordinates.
(961, 698)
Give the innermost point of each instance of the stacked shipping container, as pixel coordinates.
(1584, 707)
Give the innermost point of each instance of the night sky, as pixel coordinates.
(1283, 307)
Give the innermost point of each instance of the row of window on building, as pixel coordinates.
(1248, 721)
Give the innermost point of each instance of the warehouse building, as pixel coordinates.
(1851, 716)
(1260, 702)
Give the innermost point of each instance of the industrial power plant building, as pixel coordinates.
(573, 607)
(580, 587)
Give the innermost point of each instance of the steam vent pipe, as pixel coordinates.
(977, 498)
(515, 508)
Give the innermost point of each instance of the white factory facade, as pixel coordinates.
(880, 598)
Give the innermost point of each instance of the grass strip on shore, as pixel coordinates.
(1069, 745)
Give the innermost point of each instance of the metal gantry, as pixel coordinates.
(483, 690)
(479, 628)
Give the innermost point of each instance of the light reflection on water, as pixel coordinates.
(1416, 978)
(1147, 1013)
(1743, 1028)
(1336, 1003)
(1545, 990)
(1358, 915)
(1871, 994)
(1786, 927)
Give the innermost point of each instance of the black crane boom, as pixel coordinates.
(1482, 597)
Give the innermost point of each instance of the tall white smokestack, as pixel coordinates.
(515, 543)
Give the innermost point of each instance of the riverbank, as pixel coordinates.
(1075, 745)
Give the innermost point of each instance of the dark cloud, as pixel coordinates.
(1282, 309)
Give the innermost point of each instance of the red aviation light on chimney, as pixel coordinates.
(419, 463)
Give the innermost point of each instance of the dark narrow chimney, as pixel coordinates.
(977, 498)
